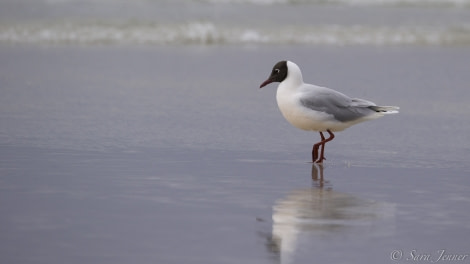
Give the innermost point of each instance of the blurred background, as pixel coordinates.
(136, 132)
(228, 22)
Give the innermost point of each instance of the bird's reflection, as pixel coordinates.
(317, 177)
(319, 210)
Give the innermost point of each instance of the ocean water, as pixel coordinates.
(135, 132)
(234, 22)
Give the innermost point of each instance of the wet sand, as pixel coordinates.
(173, 155)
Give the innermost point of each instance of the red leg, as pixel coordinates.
(323, 142)
(315, 148)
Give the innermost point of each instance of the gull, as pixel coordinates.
(315, 108)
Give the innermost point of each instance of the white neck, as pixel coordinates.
(294, 76)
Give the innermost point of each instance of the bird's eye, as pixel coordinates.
(276, 71)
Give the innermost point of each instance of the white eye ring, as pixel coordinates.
(276, 71)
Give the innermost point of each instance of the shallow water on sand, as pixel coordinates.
(173, 155)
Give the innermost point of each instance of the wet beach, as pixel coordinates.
(135, 150)
(151, 155)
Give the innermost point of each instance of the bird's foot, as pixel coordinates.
(314, 154)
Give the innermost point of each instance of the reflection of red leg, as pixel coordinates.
(323, 142)
(315, 148)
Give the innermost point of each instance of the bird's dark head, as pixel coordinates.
(278, 74)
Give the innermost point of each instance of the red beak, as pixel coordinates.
(268, 81)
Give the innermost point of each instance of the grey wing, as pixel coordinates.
(342, 107)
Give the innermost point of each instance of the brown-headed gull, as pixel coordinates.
(310, 107)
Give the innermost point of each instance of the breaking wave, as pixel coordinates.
(419, 3)
(206, 33)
